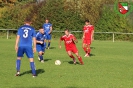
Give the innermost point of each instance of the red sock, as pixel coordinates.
(85, 49)
(88, 51)
(80, 60)
(72, 57)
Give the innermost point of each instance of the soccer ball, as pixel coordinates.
(57, 62)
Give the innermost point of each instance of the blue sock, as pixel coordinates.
(32, 65)
(18, 62)
(41, 57)
(49, 44)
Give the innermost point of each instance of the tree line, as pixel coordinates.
(68, 14)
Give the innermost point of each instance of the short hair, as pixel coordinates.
(67, 30)
(87, 21)
(40, 27)
(46, 19)
(28, 20)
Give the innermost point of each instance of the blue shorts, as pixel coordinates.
(48, 37)
(25, 49)
(40, 47)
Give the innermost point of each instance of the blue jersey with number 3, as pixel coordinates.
(26, 34)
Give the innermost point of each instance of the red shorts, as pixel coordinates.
(72, 49)
(87, 41)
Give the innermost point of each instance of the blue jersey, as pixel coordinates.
(46, 28)
(40, 37)
(26, 34)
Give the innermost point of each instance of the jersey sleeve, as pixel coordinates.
(50, 24)
(92, 28)
(19, 32)
(73, 37)
(61, 38)
(34, 33)
(44, 36)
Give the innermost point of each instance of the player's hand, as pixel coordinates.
(34, 50)
(60, 47)
(41, 42)
(83, 37)
(16, 49)
(49, 33)
(92, 39)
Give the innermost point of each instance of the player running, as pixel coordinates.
(48, 30)
(88, 32)
(40, 44)
(69, 40)
(24, 38)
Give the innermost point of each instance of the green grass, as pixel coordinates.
(110, 66)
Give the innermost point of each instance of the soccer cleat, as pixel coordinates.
(81, 63)
(42, 61)
(17, 74)
(48, 48)
(74, 61)
(34, 76)
(38, 58)
(86, 55)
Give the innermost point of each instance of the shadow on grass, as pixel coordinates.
(92, 47)
(38, 71)
(47, 60)
(51, 48)
(71, 62)
(34, 87)
(92, 54)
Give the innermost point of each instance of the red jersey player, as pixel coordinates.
(88, 31)
(69, 41)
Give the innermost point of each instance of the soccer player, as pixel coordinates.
(40, 44)
(48, 30)
(70, 40)
(25, 35)
(88, 32)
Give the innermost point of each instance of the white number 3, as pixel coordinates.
(25, 35)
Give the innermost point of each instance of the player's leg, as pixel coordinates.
(71, 56)
(29, 53)
(18, 61)
(88, 47)
(75, 51)
(40, 55)
(49, 41)
(85, 47)
(32, 65)
(79, 58)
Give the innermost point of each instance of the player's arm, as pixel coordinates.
(16, 44)
(51, 28)
(74, 39)
(34, 44)
(41, 42)
(60, 41)
(92, 34)
(34, 41)
(83, 34)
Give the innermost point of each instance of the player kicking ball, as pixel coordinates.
(88, 32)
(70, 40)
(24, 38)
(40, 44)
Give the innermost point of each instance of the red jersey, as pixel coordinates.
(88, 31)
(68, 40)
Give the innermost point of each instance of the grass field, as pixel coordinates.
(110, 66)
